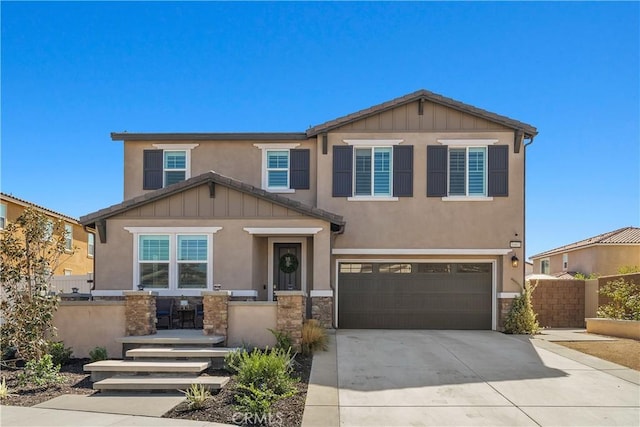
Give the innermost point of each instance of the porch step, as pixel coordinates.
(109, 368)
(155, 382)
(173, 337)
(179, 352)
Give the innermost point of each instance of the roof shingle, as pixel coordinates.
(622, 236)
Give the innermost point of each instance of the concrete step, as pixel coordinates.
(174, 337)
(179, 352)
(108, 368)
(155, 382)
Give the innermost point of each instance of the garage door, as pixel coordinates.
(414, 295)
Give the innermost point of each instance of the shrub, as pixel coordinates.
(98, 353)
(521, 318)
(625, 300)
(255, 401)
(41, 372)
(4, 390)
(196, 395)
(314, 337)
(233, 359)
(59, 353)
(283, 339)
(626, 269)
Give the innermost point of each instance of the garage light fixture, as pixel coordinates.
(514, 261)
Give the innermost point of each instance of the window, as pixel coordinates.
(90, 244)
(278, 169)
(175, 167)
(68, 237)
(48, 230)
(352, 267)
(285, 168)
(154, 261)
(166, 165)
(3, 216)
(372, 170)
(372, 175)
(394, 268)
(434, 268)
(67, 272)
(544, 266)
(192, 262)
(467, 171)
(565, 262)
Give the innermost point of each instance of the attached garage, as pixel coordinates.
(408, 295)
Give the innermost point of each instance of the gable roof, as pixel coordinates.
(17, 200)
(622, 236)
(215, 178)
(425, 95)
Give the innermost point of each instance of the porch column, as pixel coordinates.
(140, 312)
(216, 312)
(290, 315)
(504, 305)
(322, 307)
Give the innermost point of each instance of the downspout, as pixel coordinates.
(524, 212)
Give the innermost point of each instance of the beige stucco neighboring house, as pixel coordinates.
(408, 214)
(603, 255)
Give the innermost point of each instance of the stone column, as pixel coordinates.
(504, 305)
(290, 315)
(322, 307)
(216, 312)
(140, 312)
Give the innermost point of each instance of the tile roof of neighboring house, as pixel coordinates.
(428, 96)
(216, 178)
(622, 236)
(23, 202)
(422, 94)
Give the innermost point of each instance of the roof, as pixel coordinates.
(205, 178)
(422, 94)
(622, 236)
(425, 95)
(23, 202)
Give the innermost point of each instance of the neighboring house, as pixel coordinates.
(80, 242)
(408, 214)
(603, 255)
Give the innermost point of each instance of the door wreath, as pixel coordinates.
(288, 263)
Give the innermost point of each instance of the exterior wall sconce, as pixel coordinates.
(514, 261)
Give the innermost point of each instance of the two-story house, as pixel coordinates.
(408, 214)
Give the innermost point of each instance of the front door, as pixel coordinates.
(287, 267)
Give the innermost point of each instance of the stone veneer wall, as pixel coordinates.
(291, 314)
(216, 312)
(504, 305)
(140, 312)
(322, 310)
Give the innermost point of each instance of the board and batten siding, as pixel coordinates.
(197, 203)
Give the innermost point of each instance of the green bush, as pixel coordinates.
(255, 401)
(59, 353)
(521, 318)
(625, 300)
(626, 269)
(98, 353)
(196, 395)
(283, 339)
(233, 359)
(41, 372)
(314, 337)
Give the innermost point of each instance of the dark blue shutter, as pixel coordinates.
(152, 163)
(342, 171)
(403, 170)
(498, 171)
(436, 170)
(299, 169)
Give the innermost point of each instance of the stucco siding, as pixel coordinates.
(597, 259)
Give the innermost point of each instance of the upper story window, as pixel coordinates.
(48, 230)
(544, 266)
(3, 216)
(372, 170)
(91, 239)
(285, 168)
(166, 165)
(565, 262)
(68, 237)
(467, 169)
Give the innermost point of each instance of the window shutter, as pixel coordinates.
(342, 171)
(498, 171)
(152, 169)
(299, 169)
(403, 170)
(436, 171)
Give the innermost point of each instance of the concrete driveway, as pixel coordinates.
(465, 378)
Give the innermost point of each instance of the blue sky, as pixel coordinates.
(74, 72)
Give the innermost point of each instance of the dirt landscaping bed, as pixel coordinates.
(622, 351)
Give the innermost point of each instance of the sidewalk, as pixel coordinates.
(18, 416)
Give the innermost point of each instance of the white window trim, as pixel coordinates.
(278, 146)
(177, 147)
(3, 215)
(468, 142)
(548, 260)
(372, 199)
(89, 237)
(468, 196)
(300, 231)
(467, 199)
(565, 262)
(173, 233)
(373, 142)
(68, 237)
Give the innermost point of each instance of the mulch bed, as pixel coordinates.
(221, 407)
(76, 381)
